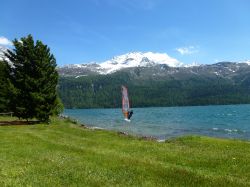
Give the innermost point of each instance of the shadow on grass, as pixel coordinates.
(18, 122)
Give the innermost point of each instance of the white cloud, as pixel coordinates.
(187, 50)
(5, 41)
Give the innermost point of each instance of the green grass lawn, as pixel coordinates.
(65, 154)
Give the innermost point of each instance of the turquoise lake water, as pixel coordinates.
(227, 121)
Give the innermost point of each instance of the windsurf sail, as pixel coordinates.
(125, 102)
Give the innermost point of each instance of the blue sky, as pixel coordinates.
(77, 31)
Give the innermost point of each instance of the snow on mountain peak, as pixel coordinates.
(2, 51)
(247, 62)
(137, 59)
(192, 64)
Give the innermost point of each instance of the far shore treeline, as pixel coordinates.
(28, 81)
(104, 91)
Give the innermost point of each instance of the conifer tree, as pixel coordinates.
(34, 79)
(3, 87)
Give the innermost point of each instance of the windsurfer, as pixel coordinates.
(130, 113)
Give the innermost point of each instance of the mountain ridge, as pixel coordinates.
(159, 85)
(130, 60)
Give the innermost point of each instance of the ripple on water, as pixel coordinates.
(230, 121)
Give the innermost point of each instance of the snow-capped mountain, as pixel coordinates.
(129, 60)
(138, 59)
(157, 85)
(158, 64)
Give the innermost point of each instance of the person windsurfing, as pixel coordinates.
(125, 104)
(130, 113)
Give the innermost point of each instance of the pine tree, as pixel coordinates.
(34, 78)
(3, 87)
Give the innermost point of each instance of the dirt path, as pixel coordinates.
(17, 122)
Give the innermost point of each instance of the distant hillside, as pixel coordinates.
(158, 85)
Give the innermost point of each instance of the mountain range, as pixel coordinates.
(129, 60)
(149, 59)
(153, 79)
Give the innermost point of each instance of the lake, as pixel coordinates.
(227, 121)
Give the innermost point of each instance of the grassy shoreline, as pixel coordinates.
(64, 154)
